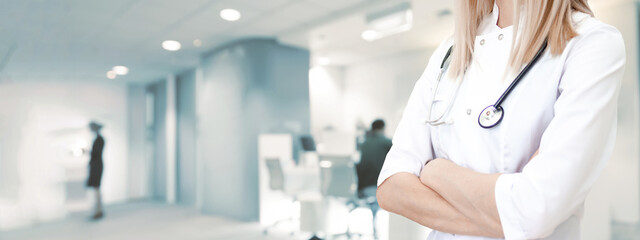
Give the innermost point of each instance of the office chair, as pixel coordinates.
(277, 183)
(339, 181)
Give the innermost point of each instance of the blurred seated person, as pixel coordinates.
(374, 149)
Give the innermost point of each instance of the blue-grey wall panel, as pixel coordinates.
(186, 150)
(159, 164)
(248, 88)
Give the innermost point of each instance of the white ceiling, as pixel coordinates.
(66, 39)
(83, 39)
(340, 39)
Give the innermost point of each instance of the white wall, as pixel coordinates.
(326, 95)
(381, 88)
(171, 120)
(343, 97)
(615, 194)
(41, 122)
(139, 166)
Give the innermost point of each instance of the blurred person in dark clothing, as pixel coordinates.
(374, 149)
(95, 168)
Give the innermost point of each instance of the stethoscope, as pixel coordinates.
(492, 115)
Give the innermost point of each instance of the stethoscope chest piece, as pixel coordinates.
(490, 116)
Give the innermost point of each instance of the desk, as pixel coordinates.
(316, 212)
(278, 205)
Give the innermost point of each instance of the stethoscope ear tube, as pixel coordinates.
(443, 69)
(444, 64)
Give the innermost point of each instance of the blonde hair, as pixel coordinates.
(542, 20)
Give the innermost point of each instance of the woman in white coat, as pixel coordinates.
(526, 176)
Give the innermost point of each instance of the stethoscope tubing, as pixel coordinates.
(520, 76)
(443, 68)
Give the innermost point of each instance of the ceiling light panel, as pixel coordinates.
(230, 14)
(171, 45)
(111, 74)
(120, 70)
(390, 21)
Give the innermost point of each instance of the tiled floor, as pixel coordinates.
(146, 221)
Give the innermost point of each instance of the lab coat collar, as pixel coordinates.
(495, 14)
(490, 23)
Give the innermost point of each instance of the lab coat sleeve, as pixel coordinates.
(412, 140)
(576, 144)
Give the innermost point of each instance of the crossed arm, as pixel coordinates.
(461, 201)
(427, 207)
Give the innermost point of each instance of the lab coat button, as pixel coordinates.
(469, 111)
(500, 37)
(482, 42)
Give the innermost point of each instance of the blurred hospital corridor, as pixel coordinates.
(243, 119)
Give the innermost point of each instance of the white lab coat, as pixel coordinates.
(566, 106)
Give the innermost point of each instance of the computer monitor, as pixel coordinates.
(308, 144)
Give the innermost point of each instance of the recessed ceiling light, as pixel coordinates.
(388, 22)
(324, 61)
(369, 35)
(111, 74)
(171, 45)
(230, 14)
(197, 43)
(120, 70)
